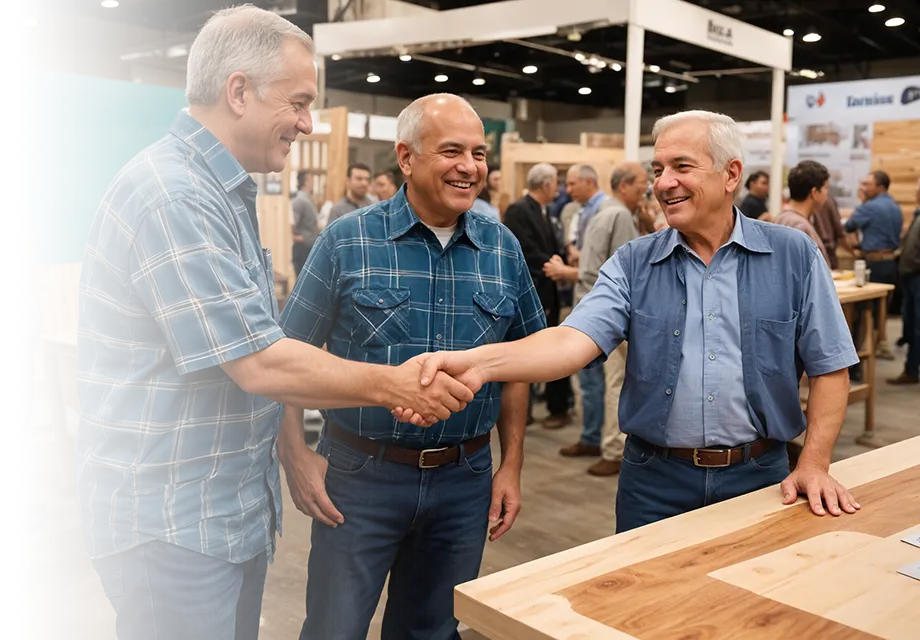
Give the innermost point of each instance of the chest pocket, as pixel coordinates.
(493, 314)
(775, 346)
(648, 347)
(381, 316)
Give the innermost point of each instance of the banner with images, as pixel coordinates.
(832, 123)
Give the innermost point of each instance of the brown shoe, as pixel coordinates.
(580, 449)
(904, 378)
(557, 421)
(28, 508)
(27, 523)
(604, 467)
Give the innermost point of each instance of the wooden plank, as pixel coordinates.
(655, 582)
(896, 151)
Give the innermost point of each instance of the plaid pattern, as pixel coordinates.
(378, 287)
(175, 282)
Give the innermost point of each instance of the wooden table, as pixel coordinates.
(60, 370)
(744, 569)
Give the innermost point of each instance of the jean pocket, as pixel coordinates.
(638, 455)
(381, 316)
(775, 346)
(110, 570)
(775, 458)
(343, 460)
(480, 461)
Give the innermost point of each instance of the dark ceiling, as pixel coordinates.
(851, 36)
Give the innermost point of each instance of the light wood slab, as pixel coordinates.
(659, 581)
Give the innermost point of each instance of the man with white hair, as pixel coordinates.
(723, 314)
(417, 272)
(182, 365)
(531, 224)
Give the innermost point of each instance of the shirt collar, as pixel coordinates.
(595, 200)
(216, 156)
(402, 218)
(746, 234)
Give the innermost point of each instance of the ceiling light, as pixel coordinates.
(405, 57)
(617, 66)
(876, 8)
(479, 81)
(373, 78)
(585, 91)
(654, 68)
(529, 69)
(670, 89)
(601, 64)
(594, 69)
(580, 57)
(894, 22)
(335, 56)
(811, 37)
(109, 4)
(808, 73)
(440, 78)
(178, 51)
(574, 36)
(788, 32)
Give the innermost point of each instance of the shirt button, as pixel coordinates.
(438, 336)
(709, 398)
(712, 316)
(712, 356)
(709, 277)
(440, 300)
(380, 301)
(676, 332)
(667, 392)
(683, 302)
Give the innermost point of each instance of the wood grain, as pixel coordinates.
(896, 151)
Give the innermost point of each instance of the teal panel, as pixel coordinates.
(73, 134)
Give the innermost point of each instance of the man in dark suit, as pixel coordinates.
(529, 221)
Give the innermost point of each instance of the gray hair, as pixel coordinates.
(539, 175)
(585, 172)
(726, 143)
(625, 173)
(245, 39)
(410, 120)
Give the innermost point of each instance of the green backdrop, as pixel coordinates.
(73, 134)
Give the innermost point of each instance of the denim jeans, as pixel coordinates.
(426, 528)
(591, 381)
(653, 487)
(163, 592)
(911, 318)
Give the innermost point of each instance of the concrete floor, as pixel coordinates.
(563, 507)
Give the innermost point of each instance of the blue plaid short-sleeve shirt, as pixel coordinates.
(174, 283)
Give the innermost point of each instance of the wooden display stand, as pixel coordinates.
(896, 151)
(743, 569)
(518, 157)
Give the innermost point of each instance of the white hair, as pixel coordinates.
(409, 122)
(726, 143)
(585, 172)
(539, 175)
(239, 39)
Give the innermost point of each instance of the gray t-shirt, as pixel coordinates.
(304, 218)
(344, 206)
(609, 229)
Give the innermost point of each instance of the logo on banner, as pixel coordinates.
(815, 101)
(719, 33)
(874, 100)
(911, 94)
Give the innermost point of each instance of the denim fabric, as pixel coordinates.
(592, 398)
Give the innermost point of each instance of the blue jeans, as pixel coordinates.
(163, 592)
(592, 398)
(653, 487)
(911, 318)
(425, 527)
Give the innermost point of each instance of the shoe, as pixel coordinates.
(580, 449)
(885, 355)
(557, 421)
(904, 378)
(604, 467)
(28, 523)
(28, 508)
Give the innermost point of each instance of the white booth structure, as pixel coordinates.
(519, 19)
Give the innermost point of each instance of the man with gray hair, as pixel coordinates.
(723, 315)
(181, 363)
(414, 273)
(530, 223)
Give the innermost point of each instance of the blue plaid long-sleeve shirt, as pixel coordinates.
(378, 287)
(174, 283)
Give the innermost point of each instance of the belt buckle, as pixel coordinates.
(727, 463)
(421, 457)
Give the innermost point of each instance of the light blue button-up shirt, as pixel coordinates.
(592, 206)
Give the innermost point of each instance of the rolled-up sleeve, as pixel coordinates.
(603, 314)
(824, 344)
(186, 269)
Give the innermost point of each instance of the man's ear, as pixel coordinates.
(733, 171)
(236, 92)
(404, 157)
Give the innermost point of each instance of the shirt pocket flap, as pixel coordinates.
(380, 298)
(498, 306)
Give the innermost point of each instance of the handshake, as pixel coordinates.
(432, 386)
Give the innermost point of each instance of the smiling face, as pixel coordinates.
(449, 170)
(266, 126)
(689, 188)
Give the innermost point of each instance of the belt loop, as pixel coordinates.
(747, 453)
(461, 455)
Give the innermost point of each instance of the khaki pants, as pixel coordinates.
(612, 439)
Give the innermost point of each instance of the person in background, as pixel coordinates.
(28, 326)
(754, 204)
(483, 203)
(304, 221)
(494, 182)
(909, 269)
(829, 226)
(879, 221)
(807, 192)
(384, 186)
(357, 183)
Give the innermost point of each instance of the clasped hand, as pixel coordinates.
(436, 385)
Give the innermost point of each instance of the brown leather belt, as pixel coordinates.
(421, 458)
(879, 256)
(718, 457)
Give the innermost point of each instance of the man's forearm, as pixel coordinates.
(550, 354)
(512, 422)
(827, 406)
(290, 440)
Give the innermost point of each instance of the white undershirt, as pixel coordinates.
(444, 234)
